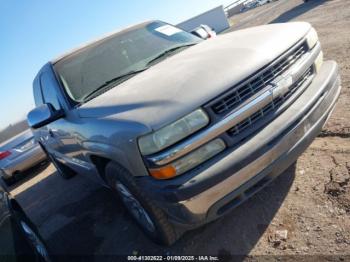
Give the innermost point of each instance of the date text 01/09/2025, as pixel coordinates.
(173, 258)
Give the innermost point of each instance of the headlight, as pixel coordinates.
(173, 133)
(189, 161)
(312, 38)
(319, 62)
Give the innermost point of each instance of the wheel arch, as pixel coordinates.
(100, 162)
(100, 154)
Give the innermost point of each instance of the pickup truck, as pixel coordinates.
(184, 129)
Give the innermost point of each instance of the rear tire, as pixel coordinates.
(152, 220)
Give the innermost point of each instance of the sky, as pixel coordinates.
(34, 32)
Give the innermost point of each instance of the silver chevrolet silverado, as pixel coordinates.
(183, 129)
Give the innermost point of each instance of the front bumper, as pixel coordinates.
(227, 180)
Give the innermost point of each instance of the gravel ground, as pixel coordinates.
(304, 212)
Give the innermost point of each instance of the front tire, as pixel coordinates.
(152, 220)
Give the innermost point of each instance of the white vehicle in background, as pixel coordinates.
(249, 5)
(204, 32)
(262, 2)
(255, 3)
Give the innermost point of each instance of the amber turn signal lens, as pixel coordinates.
(163, 172)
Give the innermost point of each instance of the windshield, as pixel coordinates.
(87, 70)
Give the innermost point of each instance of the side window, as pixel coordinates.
(38, 97)
(49, 91)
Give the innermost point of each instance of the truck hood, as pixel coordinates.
(185, 81)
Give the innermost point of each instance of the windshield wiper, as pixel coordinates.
(108, 83)
(167, 52)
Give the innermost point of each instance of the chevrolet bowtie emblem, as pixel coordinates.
(281, 85)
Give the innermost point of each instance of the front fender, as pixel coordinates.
(107, 151)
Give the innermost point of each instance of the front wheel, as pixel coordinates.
(152, 220)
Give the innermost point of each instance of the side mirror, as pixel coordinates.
(43, 115)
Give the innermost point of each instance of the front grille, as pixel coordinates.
(271, 107)
(237, 96)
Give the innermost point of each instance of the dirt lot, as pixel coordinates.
(310, 201)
